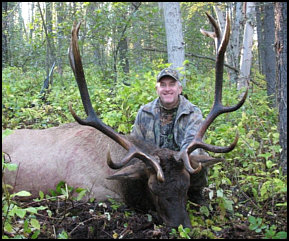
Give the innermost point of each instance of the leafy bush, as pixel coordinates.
(12, 211)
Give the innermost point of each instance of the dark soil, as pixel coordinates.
(114, 220)
(101, 221)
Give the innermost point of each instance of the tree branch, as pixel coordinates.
(193, 55)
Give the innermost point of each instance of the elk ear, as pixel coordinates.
(206, 161)
(136, 171)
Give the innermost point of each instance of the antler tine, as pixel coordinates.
(76, 65)
(218, 107)
(93, 120)
(221, 43)
(216, 35)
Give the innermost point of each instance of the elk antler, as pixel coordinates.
(94, 121)
(221, 43)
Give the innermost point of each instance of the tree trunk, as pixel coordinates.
(233, 49)
(269, 53)
(137, 46)
(60, 36)
(260, 35)
(50, 57)
(22, 25)
(123, 49)
(246, 57)
(122, 45)
(99, 58)
(174, 33)
(4, 35)
(48, 24)
(32, 23)
(281, 76)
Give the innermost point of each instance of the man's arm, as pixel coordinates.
(196, 119)
(136, 131)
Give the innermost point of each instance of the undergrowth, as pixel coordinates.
(247, 191)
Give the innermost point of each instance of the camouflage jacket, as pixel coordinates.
(187, 122)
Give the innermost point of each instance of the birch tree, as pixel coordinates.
(246, 56)
(260, 36)
(60, 36)
(174, 35)
(4, 35)
(233, 50)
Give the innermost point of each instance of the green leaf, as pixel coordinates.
(229, 204)
(204, 210)
(216, 229)
(184, 235)
(20, 212)
(180, 228)
(81, 195)
(8, 227)
(34, 223)
(11, 166)
(258, 230)
(6, 133)
(21, 194)
(252, 219)
(41, 195)
(281, 204)
(35, 234)
(220, 193)
(62, 235)
(265, 155)
(26, 227)
(269, 164)
(49, 213)
(31, 210)
(59, 187)
(187, 230)
(174, 231)
(281, 235)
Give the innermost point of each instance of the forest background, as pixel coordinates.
(123, 47)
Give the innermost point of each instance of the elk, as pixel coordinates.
(85, 155)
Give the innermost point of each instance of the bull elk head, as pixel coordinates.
(169, 199)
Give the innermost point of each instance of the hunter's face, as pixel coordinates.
(168, 89)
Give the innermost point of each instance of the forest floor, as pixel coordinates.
(113, 220)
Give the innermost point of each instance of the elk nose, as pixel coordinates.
(185, 221)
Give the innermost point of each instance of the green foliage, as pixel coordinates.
(257, 225)
(272, 234)
(64, 192)
(114, 204)
(182, 232)
(250, 174)
(12, 211)
(63, 235)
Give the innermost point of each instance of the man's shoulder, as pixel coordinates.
(187, 106)
(150, 107)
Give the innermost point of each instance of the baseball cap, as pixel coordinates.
(169, 72)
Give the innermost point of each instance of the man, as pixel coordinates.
(171, 121)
